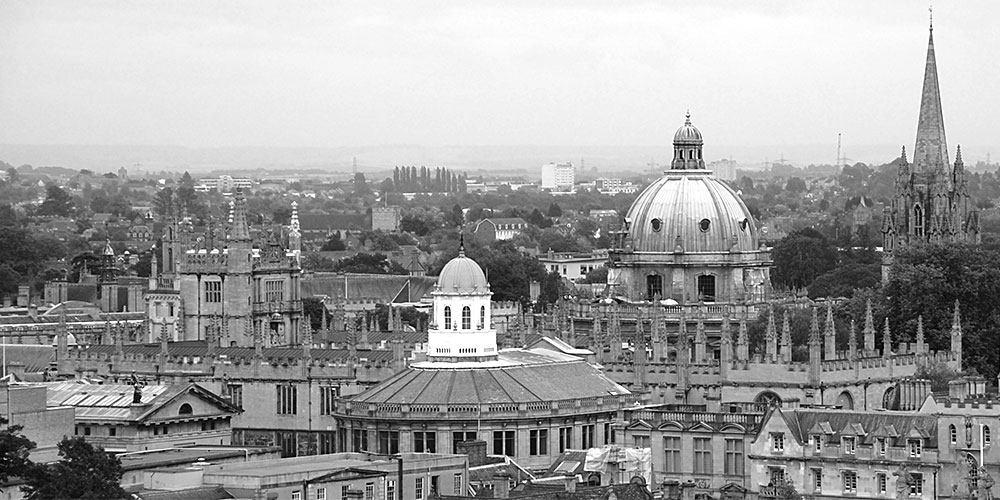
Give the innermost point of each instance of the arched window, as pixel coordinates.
(952, 434)
(845, 401)
(706, 288)
(447, 317)
(918, 220)
(986, 435)
(482, 317)
(185, 409)
(466, 318)
(654, 286)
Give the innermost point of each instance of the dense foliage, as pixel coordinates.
(83, 472)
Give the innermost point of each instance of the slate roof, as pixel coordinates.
(627, 491)
(34, 357)
(518, 376)
(865, 425)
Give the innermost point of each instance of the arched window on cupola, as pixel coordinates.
(466, 318)
(482, 317)
(447, 317)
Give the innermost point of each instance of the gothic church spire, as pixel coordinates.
(931, 151)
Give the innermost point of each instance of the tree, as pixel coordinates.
(599, 275)
(844, 279)
(795, 185)
(554, 210)
(163, 202)
(57, 202)
(83, 472)
(334, 244)
(801, 257)
(925, 281)
(376, 263)
(413, 223)
(14, 449)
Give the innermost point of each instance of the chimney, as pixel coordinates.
(501, 484)
(476, 450)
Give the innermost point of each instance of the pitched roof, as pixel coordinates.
(864, 425)
(200, 349)
(114, 401)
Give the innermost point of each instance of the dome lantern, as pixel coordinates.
(687, 147)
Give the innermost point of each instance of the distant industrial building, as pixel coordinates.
(386, 218)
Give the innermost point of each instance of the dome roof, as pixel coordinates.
(694, 210)
(462, 275)
(687, 134)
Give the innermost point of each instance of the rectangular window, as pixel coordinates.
(327, 443)
(424, 442)
(503, 443)
(370, 491)
(112, 431)
(418, 488)
(287, 399)
(640, 441)
(608, 434)
(538, 442)
(390, 490)
(327, 399)
(734, 457)
(881, 483)
(672, 453)
(916, 447)
(850, 481)
(565, 438)
(359, 440)
(388, 442)
(817, 480)
(880, 447)
(274, 291)
(213, 291)
(818, 443)
(458, 437)
(778, 441)
(849, 445)
(916, 484)
(588, 436)
(320, 493)
(702, 455)
(236, 395)
(777, 475)
(343, 491)
(288, 443)
(457, 485)
(86, 431)
(296, 495)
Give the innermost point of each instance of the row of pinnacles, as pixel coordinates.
(714, 351)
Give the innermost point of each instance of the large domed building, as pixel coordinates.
(530, 404)
(689, 238)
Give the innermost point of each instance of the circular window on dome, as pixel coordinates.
(657, 224)
(704, 225)
(743, 224)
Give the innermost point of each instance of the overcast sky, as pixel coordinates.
(342, 73)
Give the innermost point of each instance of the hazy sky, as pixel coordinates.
(343, 73)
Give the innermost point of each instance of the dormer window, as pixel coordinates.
(849, 445)
(817, 443)
(778, 441)
(952, 434)
(880, 446)
(916, 447)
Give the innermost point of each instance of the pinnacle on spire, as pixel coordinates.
(742, 336)
(240, 230)
(814, 328)
(958, 154)
(852, 338)
(771, 332)
(903, 154)
(869, 319)
(956, 318)
(687, 118)
(296, 228)
(931, 150)
(828, 329)
(920, 329)
(724, 330)
(786, 330)
(886, 339)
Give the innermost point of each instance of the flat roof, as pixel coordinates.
(188, 455)
(318, 463)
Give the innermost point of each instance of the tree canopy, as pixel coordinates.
(801, 257)
(83, 472)
(14, 449)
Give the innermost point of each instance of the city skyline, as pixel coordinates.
(435, 74)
